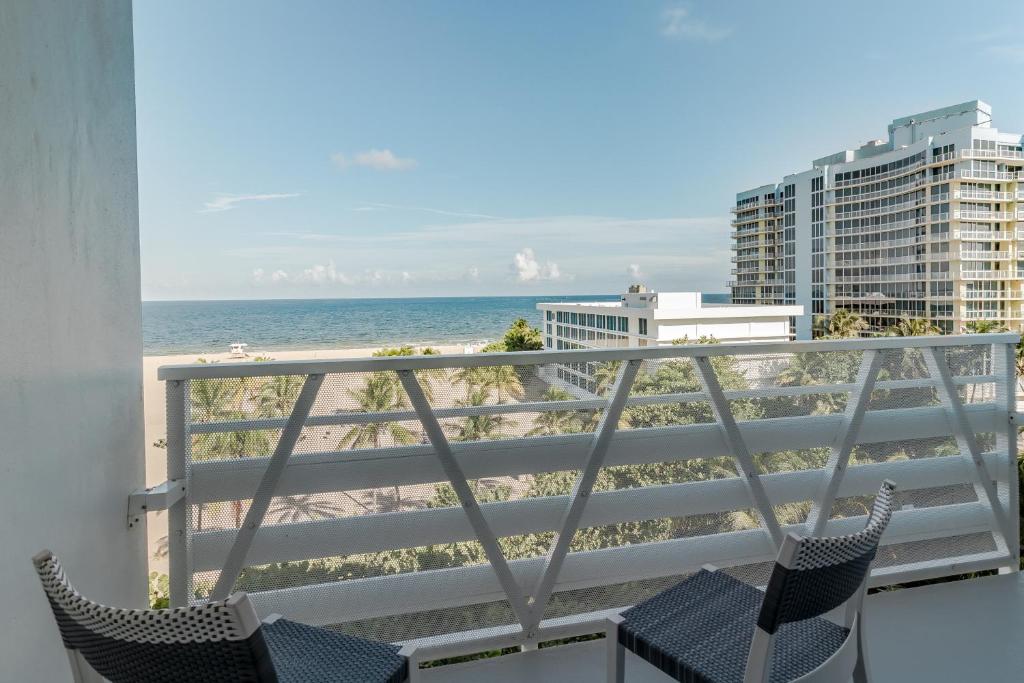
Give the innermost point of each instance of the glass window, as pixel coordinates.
(573, 319)
(549, 315)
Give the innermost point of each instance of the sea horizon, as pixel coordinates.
(205, 326)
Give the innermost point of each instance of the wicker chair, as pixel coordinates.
(219, 642)
(713, 628)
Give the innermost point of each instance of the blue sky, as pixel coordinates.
(344, 149)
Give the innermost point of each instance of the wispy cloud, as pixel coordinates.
(378, 206)
(377, 159)
(227, 202)
(1007, 52)
(634, 270)
(527, 268)
(679, 23)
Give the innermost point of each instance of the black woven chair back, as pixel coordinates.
(215, 642)
(825, 572)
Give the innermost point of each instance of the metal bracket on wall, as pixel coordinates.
(159, 497)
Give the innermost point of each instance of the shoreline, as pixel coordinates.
(365, 349)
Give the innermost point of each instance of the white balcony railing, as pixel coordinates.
(991, 275)
(978, 174)
(991, 295)
(979, 255)
(418, 498)
(983, 215)
(984, 235)
(991, 154)
(987, 195)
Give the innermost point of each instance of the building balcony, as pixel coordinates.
(990, 275)
(986, 235)
(995, 216)
(373, 558)
(985, 195)
(977, 174)
(991, 295)
(881, 176)
(891, 277)
(976, 255)
(1011, 155)
(986, 315)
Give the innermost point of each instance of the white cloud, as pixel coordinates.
(227, 202)
(374, 206)
(528, 269)
(679, 22)
(278, 276)
(257, 275)
(377, 159)
(473, 273)
(1009, 53)
(634, 270)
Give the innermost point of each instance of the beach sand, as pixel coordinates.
(156, 415)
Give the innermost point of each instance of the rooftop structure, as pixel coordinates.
(643, 318)
(926, 223)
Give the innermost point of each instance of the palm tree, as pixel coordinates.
(984, 327)
(471, 378)
(504, 379)
(605, 376)
(277, 395)
(311, 507)
(381, 393)
(476, 427)
(556, 421)
(216, 400)
(211, 398)
(845, 323)
(913, 327)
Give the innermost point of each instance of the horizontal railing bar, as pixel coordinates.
(396, 530)
(339, 602)
(435, 362)
(348, 418)
(236, 479)
(478, 640)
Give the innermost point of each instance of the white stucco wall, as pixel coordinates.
(70, 342)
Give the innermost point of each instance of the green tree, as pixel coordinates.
(605, 375)
(476, 427)
(555, 422)
(984, 327)
(381, 393)
(521, 337)
(845, 323)
(277, 395)
(912, 327)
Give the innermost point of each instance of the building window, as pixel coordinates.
(549, 315)
(643, 325)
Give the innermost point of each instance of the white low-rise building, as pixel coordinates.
(644, 318)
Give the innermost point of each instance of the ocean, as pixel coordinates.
(178, 327)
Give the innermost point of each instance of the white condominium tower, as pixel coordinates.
(927, 224)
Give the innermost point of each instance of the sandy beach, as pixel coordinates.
(156, 413)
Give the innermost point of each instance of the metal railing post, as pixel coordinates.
(1004, 366)
(178, 564)
(967, 443)
(745, 465)
(839, 455)
(573, 514)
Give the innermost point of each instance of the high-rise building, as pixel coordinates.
(927, 224)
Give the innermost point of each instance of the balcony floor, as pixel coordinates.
(963, 631)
